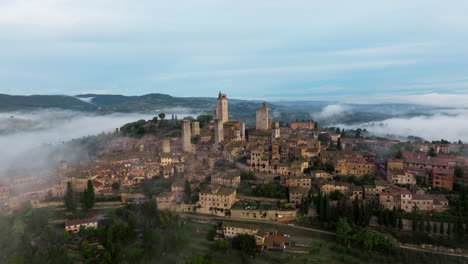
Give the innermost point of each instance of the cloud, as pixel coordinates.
(332, 112)
(452, 126)
(40, 132)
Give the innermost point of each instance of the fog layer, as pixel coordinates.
(27, 139)
(451, 125)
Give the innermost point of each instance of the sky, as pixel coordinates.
(349, 51)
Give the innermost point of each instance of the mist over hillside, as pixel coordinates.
(36, 139)
(448, 124)
(39, 122)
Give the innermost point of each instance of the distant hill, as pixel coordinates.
(17, 103)
(238, 109)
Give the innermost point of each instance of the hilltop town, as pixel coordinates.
(297, 173)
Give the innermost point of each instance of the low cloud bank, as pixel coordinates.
(332, 112)
(451, 125)
(28, 139)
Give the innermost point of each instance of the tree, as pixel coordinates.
(434, 227)
(69, 198)
(372, 240)
(343, 231)
(400, 223)
(449, 229)
(421, 225)
(394, 217)
(358, 133)
(432, 152)
(88, 198)
(399, 154)
(115, 186)
(428, 226)
(201, 260)
(155, 119)
(187, 191)
(245, 243)
(459, 172)
(441, 229)
(414, 220)
(162, 116)
(338, 144)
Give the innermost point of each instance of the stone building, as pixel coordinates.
(402, 177)
(297, 193)
(310, 124)
(76, 224)
(331, 186)
(186, 136)
(355, 166)
(442, 178)
(220, 111)
(166, 145)
(276, 132)
(262, 119)
(218, 131)
(231, 179)
(305, 182)
(195, 128)
(216, 196)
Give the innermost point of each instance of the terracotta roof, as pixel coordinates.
(445, 172)
(422, 158)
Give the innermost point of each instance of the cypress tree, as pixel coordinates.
(356, 211)
(319, 203)
(421, 225)
(414, 220)
(441, 229)
(394, 217)
(387, 218)
(428, 226)
(400, 223)
(379, 216)
(414, 224)
(434, 227)
(88, 198)
(449, 229)
(338, 144)
(327, 208)
(69, 198)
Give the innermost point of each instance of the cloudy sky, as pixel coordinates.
(351, 51)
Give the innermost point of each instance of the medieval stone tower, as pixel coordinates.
(186, 136)
(262, 117)
(218, 132)
(166, 145)
(242, 130)
(195, 128)
(275, 132)
(220, 111)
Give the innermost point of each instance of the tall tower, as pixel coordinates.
(218, 132)
(275, 132)
(262, 117)
(195, 128)
(166, 145)
(242, 130)
(220, 111)
(186, 136)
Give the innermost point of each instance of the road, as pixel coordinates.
(214, 220)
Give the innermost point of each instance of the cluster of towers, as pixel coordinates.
(223, 127)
